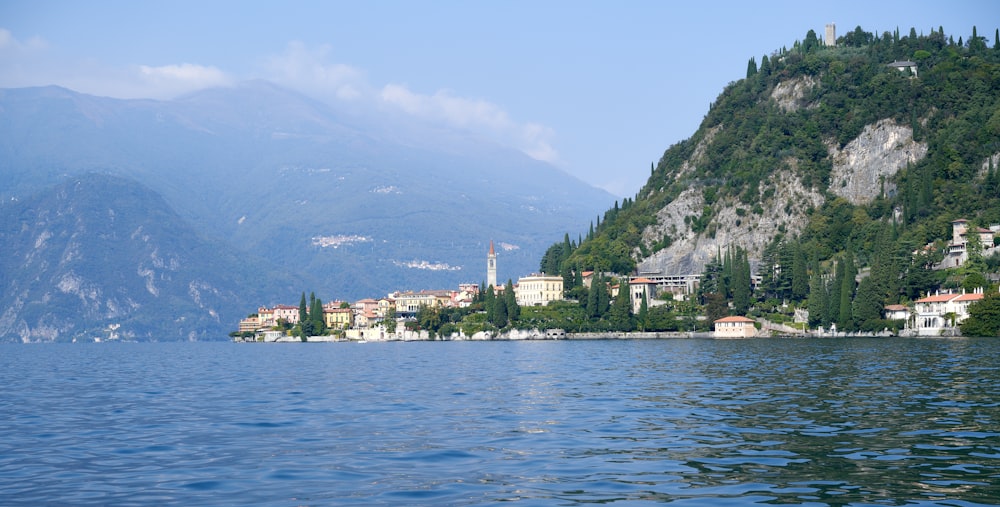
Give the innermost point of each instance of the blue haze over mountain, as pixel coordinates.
(254, 181)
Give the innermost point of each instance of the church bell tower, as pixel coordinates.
(491, 267)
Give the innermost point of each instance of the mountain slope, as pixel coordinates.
(104, 257)
(825, 154)
(275, 173)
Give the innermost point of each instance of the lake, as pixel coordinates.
(626, 422)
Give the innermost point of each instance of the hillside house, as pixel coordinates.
(905, 66)
(958, 249)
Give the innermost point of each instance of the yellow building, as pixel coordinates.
(538, 290)
(338, 318)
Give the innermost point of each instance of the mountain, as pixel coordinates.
(104, 257)
(351, 208)
(860, 153)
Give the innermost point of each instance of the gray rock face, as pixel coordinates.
(862, 169)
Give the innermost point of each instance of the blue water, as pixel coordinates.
(681, 422)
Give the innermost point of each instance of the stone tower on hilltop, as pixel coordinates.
(491, 267)
(831, 35)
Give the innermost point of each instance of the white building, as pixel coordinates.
(940, 314)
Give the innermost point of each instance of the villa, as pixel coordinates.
(735, 327)
(940, 314)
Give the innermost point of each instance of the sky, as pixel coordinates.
(598, 88)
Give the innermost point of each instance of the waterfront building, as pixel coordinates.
(249, 324)
(897, 312)
(338, 318)
(941, 313)
(735, 327)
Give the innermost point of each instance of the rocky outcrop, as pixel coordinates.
(790, 95)
(785, 203)
(862, 169)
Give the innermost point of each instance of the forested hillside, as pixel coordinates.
(824, 166)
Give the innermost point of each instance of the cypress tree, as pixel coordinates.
(817, 299)
(500, 316)
(751, 67)
(303, 309)
(833, 294)
(621, 310)
(800, 275)
(643, 317)
(510, 302)
(845, 319)
(741, 282)
(489, 301)
(316, 316)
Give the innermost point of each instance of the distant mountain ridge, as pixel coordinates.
(103, 257)
(272, 174)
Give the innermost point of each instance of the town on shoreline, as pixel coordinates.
(602, 305)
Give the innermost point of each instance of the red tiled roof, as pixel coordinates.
(938, 298)
(735, 318)
(969, 297)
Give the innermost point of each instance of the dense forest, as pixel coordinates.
(850, 260)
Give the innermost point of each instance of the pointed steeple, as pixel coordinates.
(491, 267)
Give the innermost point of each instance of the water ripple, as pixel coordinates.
(683, 422)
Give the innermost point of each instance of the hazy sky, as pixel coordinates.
(600, 89)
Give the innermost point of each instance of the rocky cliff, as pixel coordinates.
(861, 170)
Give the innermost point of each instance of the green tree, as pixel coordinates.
(500, 317)
(715, 307)
(390, 320)
(867, 306)
(620, 314)
(429, 319)
(510, 301)
(984, 317)
(642, 320)
(845, 318)
(303, 309)
(490, 304)
(317, 317)
(741, 282)
(800, 274)
(817, 300)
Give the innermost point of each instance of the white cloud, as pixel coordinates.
(312, 71)
(33, 62)
(308, 70)
(476, 115)
(185, 77)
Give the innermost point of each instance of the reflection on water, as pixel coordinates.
(685, 422)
